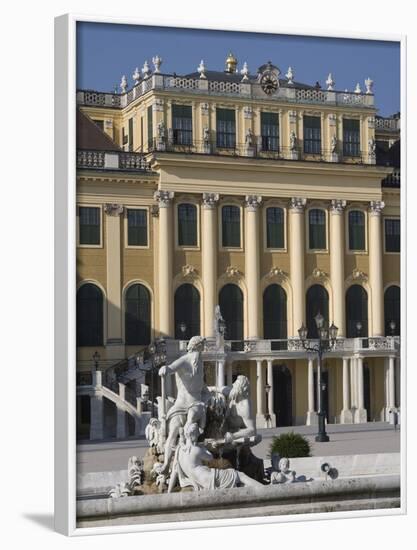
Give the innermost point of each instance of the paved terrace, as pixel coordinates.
(378, 437)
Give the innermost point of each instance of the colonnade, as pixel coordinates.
(296, 244)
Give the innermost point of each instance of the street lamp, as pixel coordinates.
(96, 359)
(358, 328)
(183, 328)
(268, 413)
(392, 326)
(326, 342)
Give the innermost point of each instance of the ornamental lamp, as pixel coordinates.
(392, 326)
(333, 332)
(152, 348)
(323, 333)
(358, 328)
(183, 328)
(302, 332)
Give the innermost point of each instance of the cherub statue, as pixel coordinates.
(284, 474)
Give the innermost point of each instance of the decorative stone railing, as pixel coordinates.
(285, 346)
(382, 123)
(250, 90)
(112, 160)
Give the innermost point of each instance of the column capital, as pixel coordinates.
(337, 206)
(210, 200)
(113, 209)
(297, 204)
(164, 198)
(253, 202)
(376, 207)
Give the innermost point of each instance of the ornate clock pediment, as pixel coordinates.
(268, 78)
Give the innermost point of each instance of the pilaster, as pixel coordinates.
(252, 267)
(375, 267)
(297, 248)
(209, 259)
(337, 265)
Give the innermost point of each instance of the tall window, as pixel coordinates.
(187, 225)
(351, 138)
(275, 313)
(137, 316)
(226, 128)
(231, 226)
(274, 227)
(182, 124)
(356, 230)
(317, 229)
(392, 235)
(356, 311)
(150, 128)
(312, 135)
(269, 131)
(89, 225)
(89, 316)
(187, 312)
(231, 307)
(392, 307)
(137, 227)
(317, 302)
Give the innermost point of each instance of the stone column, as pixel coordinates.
(397, 382)
(209, 247)
(375, 268)
(96, 408)
(346, 413)
(221, 373)
(114, 280)
(391, 382)
(311, 413)
(360, 413)
(297, 252)
(165, 263)
(270, 379)
(252, 268)
(337, 265)
(260, 419)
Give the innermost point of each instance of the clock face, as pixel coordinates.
(269, 83)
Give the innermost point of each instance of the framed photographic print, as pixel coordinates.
(228, 274)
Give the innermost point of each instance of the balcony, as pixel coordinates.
(243, 150)
(112, 160)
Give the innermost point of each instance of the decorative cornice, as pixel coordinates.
(337, 206)
(113, 209)
(189, 271)
(297, 204)
(376, 207)
(210, 200)
(253, 202)
(233, 272)
(358, 275)
(164, 198)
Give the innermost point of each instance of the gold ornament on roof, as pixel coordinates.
(231, 63)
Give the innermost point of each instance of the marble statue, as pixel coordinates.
(240, 424)
(189, 467)
(153, 434)
(161, 130)
(206, 134)
(189, 406)
(333, 144)
(372, 146)
(284, 473)
(249, 138)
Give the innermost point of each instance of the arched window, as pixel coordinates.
(317, 302)
(356, 311)
(231, 226)
(89, 316)
(187, 225)
(187, 312)
(356, 230)
(392, 310)
(231, 307)
(275, 313)
(137, 316)
(317, 229)
(274, 227)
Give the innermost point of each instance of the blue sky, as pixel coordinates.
(106, 51)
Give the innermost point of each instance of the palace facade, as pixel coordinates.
(276, 200)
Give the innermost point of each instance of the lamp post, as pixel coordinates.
(183, 329)
(326, 342)
(96, 359)
(358, 329)
(392, 326)
(268, 412)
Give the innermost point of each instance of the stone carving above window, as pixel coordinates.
(189, 271)
(319, 273)
(233, 272)
(358, 275)
(113, 209)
